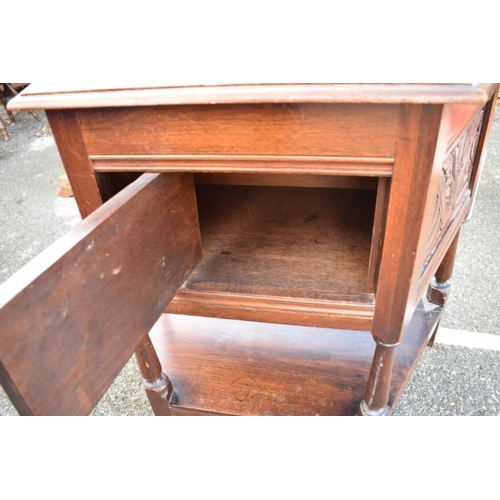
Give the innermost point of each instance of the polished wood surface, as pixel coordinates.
(439, 288)
(241, 164)
(60, 96)
(303, 130)
(419, 129)
(159, 388)
(379, 218)
(78, 167)
(73, 317)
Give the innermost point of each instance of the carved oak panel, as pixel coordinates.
(454, 187)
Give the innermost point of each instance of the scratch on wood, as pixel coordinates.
(113, 272)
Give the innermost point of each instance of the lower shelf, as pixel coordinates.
(230, 367)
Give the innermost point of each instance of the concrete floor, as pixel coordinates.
(451, 379)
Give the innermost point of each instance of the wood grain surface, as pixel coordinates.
(245, 164)
(241, 368)
(289, 180)
(282, 254)
(241, 129)
(72, 318)
(313, 240)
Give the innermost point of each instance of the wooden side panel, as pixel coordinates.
(456, 119)
(489, 113)
(72, 317)
(451, 187)
(454, 181)
(261, 129)
(378, 233)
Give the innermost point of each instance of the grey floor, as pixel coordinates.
(450, 379)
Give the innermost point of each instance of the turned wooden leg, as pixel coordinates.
(158, 386)
(379, 382)
(439, 289)
(34, 114)
(4, 102)
(3, 130)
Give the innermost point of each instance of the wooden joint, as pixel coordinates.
(384, 344)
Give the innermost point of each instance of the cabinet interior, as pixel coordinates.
(285, 236)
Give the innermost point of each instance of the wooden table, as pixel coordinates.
(289, 250)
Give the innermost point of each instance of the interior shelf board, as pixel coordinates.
(231, 367)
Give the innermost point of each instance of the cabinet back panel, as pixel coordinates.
(284, 241)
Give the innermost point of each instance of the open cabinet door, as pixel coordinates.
(71, 318)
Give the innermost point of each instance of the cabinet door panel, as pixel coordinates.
(73, 316)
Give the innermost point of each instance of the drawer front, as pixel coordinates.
(345, 130)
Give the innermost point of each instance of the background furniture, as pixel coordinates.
(323, 213)
(11, 89)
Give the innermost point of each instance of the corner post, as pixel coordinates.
(417, 150)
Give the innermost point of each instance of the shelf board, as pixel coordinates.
(233, 367)
(309, 244)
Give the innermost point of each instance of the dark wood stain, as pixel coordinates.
(290, 234)
(255, 237)
(241, 129)
(239, 368)
(73, 317)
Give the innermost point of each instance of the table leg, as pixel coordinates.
(158, 386)
(439, 289)
(379, 382)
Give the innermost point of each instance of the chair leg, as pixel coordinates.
(34, 114)
(3, 130)
(3, 100)
(158, 386)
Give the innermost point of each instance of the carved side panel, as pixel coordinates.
(454, 188)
